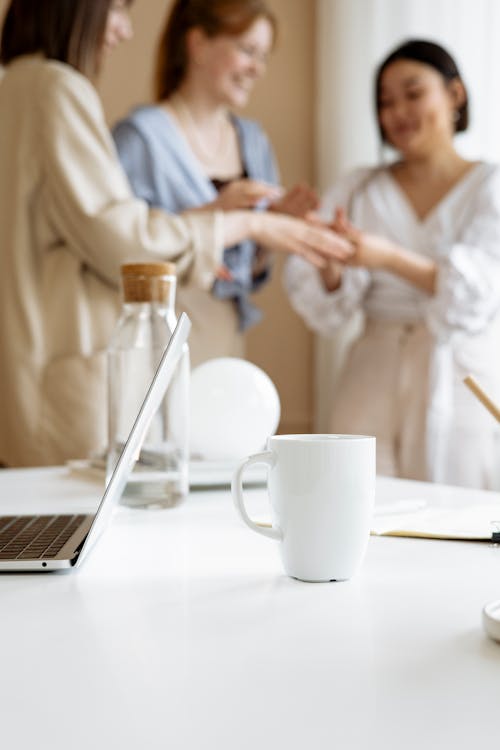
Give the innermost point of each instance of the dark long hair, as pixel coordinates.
(71, 31)
(214, 17)
(428, 53)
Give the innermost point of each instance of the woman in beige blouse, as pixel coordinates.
(68, 220)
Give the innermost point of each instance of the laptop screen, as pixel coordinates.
(134, 442)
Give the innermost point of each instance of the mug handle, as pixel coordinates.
(268, 458)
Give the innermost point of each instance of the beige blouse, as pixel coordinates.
(67, 221)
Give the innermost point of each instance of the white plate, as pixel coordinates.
(202, 474)
(220, 473)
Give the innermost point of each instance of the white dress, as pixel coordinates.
(453, 333)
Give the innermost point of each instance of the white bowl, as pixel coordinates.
(235, 407)
(491, 619)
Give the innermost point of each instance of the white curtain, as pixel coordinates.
(353, 37)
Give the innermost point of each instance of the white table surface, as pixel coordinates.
(181, 631)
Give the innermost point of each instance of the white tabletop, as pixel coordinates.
(181, 631)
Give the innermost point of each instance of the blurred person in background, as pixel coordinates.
(426, 274)
(191, 150)
(68, 220)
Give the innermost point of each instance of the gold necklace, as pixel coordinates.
(208, 156)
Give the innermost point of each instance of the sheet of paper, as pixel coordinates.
(472, 522)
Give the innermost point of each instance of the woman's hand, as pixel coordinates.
(298, 201)
(369, 250)
(241, 194)
(373, 251)
(223, 274)
(331, 275)
(246, 193)
(316, 243)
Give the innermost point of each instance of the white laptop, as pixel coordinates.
(53, 542)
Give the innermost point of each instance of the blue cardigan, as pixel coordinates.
(164, 172)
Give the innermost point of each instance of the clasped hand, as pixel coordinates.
(329, 247)
(247, 193)
(369, 250)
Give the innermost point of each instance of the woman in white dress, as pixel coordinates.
(425, 272)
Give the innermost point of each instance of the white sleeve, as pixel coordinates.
(468, 279)
(321, 310)
(340, 194)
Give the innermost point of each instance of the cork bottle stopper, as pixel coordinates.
(148, 282)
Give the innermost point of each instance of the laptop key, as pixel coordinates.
(25, 537)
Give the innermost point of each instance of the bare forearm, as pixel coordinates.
(318, 244)
(413, 267)
(374, 251)
(238, 225)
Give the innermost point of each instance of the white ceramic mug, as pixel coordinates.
(322, 489)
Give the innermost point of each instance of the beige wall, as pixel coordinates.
(283, 102)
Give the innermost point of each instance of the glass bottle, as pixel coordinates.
(160, 475)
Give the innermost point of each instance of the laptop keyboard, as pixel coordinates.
(35, 537)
